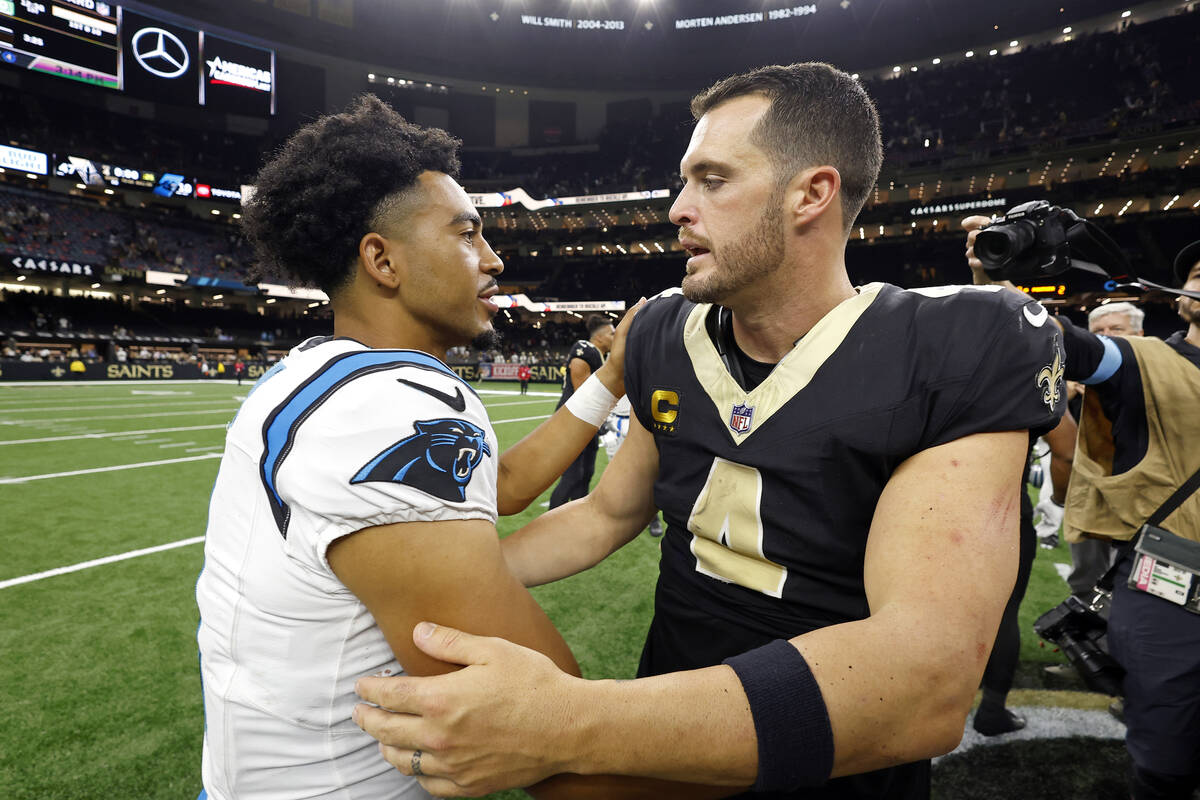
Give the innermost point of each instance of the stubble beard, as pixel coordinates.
(741, 263)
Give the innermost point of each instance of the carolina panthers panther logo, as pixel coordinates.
(438, 459)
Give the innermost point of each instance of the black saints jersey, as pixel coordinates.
(769, 493)
(587, 351)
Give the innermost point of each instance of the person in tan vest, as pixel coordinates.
(1137, 445)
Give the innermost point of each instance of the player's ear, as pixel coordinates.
(813, 193)
(380, 259)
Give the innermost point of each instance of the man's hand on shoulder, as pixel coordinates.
(612, 373)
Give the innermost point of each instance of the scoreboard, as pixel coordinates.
(119, 48)
(74, 39)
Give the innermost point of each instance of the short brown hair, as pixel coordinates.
(818, 115)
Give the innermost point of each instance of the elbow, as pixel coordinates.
(949, 701)
(507, 505)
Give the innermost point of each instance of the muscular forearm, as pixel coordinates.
(566, 540)
(655, 727)
(888, 705)
(527, 468)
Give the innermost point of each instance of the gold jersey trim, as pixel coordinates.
(789, 377)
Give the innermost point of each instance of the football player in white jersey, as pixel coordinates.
(361, 479)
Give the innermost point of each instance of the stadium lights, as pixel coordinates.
(993, 52)
(1013, 43)
(937, 61)
(1196, 204)
(1126, 14)
(895, 69)
(161, 291)
(218, 297)
(370, 76)
(969, 53)
(1067, 29)
(215, 212)
(270, 300)
(912, 69)
(31, 176)
(237, 216)
(95, 286)
(313, 305)
(1167, 207)
(854, 76)
(1124, 208)
(861, 234)
(1097, 211)
(80, 186)
(20, 278)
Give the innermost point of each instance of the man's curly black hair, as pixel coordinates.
(325, 188)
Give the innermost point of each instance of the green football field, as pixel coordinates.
(104, 490)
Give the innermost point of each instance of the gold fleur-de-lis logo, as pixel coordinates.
(1051, 376)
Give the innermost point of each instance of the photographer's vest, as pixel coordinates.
(1104, 505)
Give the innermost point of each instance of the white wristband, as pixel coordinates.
(591, 402)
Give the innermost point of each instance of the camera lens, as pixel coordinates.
(1004, 242)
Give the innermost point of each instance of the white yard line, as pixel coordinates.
(542, 401)
(89, 406)
(126, 416)
(109, 384)
(519, 419)
(145, 551)
(175, 444)
(114, 468)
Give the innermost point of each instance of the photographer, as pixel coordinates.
(1136, 447)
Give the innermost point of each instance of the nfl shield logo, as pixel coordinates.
(739, 420)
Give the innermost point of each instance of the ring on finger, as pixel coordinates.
(416, 763)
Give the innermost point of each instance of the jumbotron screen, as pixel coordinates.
(74, 39)
(118, 48)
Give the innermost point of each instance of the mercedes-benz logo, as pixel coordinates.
(160, 52)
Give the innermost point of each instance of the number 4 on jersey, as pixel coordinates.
(727, 530)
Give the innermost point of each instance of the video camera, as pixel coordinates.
(1036, 240)
(1079, 629)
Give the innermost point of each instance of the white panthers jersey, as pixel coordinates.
(335, 438)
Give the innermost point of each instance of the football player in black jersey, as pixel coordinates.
(586, 356)
(839, 471)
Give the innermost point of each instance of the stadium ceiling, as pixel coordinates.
(634, 44)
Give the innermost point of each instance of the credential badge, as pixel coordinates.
(741, 418)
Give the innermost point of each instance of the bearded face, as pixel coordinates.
(746, 258)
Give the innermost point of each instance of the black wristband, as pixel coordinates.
(795, 739)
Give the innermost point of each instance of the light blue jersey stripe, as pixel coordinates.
(1108, 365)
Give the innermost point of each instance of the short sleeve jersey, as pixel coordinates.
(335, 438)
(769, 494)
